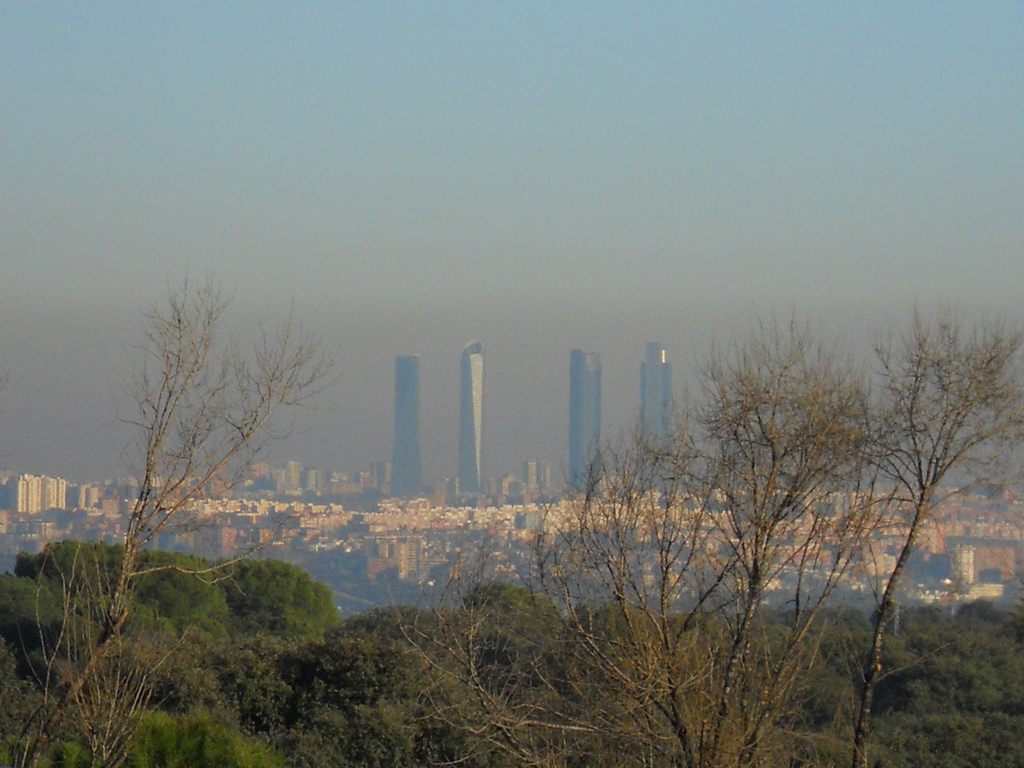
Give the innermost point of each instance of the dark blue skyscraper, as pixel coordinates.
(406, 465)
(656, 395)
(471, 414)
(584, 416)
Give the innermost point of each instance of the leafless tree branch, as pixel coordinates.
(205, 404)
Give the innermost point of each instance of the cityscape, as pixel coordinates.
(386, 522)
(538, 385)
(36, 510)
(403, 474)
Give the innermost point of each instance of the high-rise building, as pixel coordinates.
(33, 494)
(293, 478)
(55, 493)
(531, 477)
(584, 416)
(406, 464)
(656, 395)
(471, 413)
(379, 477)
(314, 481)
(537, 477)
(30, 495)
(546, 476)
(89, 496)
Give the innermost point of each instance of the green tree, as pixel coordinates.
(954, 692)
(950, 403)
(347, 703)
(178, 600)
(276, 598)
(196, 742)
(30, 617)
(345, 699)
(17, 701)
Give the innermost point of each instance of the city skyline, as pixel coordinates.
(243, 245)
(405, 417)
(406, 178)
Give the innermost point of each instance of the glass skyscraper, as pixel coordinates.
(656, 395)
(406, 464)
(584, 416)
(471, 414)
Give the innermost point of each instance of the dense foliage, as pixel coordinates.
(260, 672)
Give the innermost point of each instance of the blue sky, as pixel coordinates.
(452, 157)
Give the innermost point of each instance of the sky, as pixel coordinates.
(538, 176)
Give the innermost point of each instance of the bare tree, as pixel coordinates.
(951, 404)
(204, 406)
(664, 569)
(690, 580)
(783, 437)
(116, 686)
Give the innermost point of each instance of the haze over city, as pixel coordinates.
(539, 178)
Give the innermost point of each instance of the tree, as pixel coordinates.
(277, 598)
(950, 404)
(196, 742)
(495, 656)
(17, 699)
(204, 405)
(683, 585)
(665, 569)
(347, 698)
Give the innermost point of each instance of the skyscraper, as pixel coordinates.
(531, 477)
(656, 395)
(406, 464)
(471, 414)
(584, 416)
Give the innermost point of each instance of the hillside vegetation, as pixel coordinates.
(256, 669)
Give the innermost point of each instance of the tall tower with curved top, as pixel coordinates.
(471, 414)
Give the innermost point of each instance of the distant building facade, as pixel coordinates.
(537, 477)
(402, 555)
(656, 395)
(406, 461)
(377, 478)
(31, 494)
(293, 478)
(471, 413)
(531, 477)
(584, 416)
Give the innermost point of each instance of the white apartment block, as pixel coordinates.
(36, 494)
